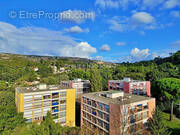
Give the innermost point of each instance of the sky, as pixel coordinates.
(108, 30)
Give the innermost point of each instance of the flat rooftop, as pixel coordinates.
(78, 81)
(127, 80)
(121, 100)
(36, 89)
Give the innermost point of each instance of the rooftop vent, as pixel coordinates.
(53, 87)
(127, 79)
(41, 86)
(115, 94)
(34, 88)
(77, 79)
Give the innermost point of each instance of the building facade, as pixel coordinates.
(81, 86)
(35, 102)
(131, 86)
(115, 112)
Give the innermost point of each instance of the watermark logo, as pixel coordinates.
(12, 14)
(69, 15)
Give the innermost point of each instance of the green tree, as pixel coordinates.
(106, 75)
(9, 119)
(3, 85)
(157, 125)
(168, 89)
(96, 80)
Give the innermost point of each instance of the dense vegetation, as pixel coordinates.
(18, 70)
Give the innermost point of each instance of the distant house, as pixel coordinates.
(35, 69)
(128, 85)
(54, 69)
(32, 83)
(81, 86)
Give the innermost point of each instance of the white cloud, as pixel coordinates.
(142, 18)
(82, 49)
(119, 24)
(76, 16)
(144, 54)
(171, 4)
(116, 26)
(105, 47)
(140, 54)
(175, 14)
(139, 4)
(176, 43)
(77, 29)
(121, 43)
(151, 3)
(98, 57)
(142, 33)
(107, 3)
(41, 41)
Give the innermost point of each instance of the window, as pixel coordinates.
(29, 120)
(100, 105)
(62, 120)
(62, 114)
(138, 126)
(89, 116)
(139, 117)
(100, 114)
(63, 94)
(63, 107)
(106, 126)
(55, 116)
(100, 123)
(62, 101)
(93, 111)
(132, 129)
(88, 101)
(55, 95)
(94, 120)
(106, 107)
(145, 115)
(106, 117)
(139, 107)
(94, 103)
(89, 109)
(132, 119)
(132, 110)
(84, 99)
(84, 114)
(55, 102)
(55, 109)
(145, 107)
(84, 107)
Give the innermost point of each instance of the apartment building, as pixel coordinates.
(115, 112)
(81, 86)
(128, 85)
(35, 102)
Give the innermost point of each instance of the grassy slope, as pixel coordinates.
(174, 125)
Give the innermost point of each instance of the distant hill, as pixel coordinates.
(6, 56)
(174, 59)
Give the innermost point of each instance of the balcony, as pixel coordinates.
(56, 110)
(47, 97)
(55, 103)
(55, 95)
(55, 116)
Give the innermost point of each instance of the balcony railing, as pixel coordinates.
(55, 103)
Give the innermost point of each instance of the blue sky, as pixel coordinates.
(109, 30)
